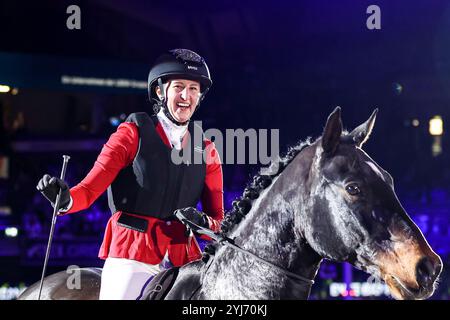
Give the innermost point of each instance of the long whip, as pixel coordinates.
(52, 229)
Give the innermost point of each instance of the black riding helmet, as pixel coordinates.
(177, 63)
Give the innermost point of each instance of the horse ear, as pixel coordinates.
(362, 133)
(332, 132)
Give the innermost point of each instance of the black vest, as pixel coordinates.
(155, 185)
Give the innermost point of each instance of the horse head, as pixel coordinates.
(354, 214)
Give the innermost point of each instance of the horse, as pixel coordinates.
(326, 199)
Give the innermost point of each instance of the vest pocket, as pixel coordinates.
(132, 222)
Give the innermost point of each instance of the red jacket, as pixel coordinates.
(161, 236)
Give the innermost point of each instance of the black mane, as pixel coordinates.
(242, 205)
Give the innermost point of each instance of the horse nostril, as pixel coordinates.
(427, 271)
(437, 268)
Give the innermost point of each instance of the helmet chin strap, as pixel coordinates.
(164, 104)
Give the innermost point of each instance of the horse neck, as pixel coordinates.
(268, 231)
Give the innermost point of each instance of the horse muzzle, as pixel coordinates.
(427, 270)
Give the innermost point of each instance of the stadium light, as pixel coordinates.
(11, 232)
(4, 89)
(436, 127)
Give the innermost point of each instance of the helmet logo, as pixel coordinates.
(192, 67)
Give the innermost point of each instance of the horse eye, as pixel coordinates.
(353, 189)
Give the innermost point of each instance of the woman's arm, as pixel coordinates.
(116, 154)
(212, 196)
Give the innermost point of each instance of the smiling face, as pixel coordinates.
(356, 217)
(182, 98)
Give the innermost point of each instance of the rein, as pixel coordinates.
(223, 240)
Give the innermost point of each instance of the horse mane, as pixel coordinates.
(260, 182)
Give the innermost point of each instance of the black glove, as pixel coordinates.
(49, 187)
(195, 216)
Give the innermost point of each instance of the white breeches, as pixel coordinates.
(124, 279)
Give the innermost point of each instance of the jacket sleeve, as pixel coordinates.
(212, 196)
(118, 152)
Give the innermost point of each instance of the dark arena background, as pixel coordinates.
(275, 65)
